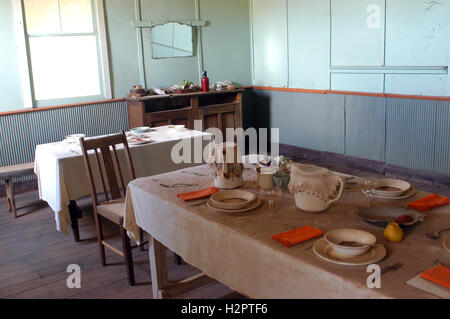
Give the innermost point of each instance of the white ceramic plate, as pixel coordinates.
(380, 216)
(255, 204)
(232, 199)
(324, 251)
(74, 138)
(446, 243)
(401, 187)
(177, 127)
(139, 141)
(408, 194)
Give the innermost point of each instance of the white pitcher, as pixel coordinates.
(314, 188)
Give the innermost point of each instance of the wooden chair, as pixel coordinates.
(113, 207)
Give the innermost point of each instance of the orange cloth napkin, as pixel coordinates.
(439, 275)
(429, 202)
(297, 236)
(198, 194)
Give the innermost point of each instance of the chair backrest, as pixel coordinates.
(107, 147)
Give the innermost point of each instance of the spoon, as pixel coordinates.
(436, 235)
(356, 244)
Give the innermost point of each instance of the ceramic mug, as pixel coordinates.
(265, 177)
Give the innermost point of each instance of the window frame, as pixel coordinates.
(99, 31)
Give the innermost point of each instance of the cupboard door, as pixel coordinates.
(175, 117)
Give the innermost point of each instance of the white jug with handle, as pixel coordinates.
(314, 188)
(226, 160)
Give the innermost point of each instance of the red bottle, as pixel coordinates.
(205, 82)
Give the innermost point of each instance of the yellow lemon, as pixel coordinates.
(393, 232)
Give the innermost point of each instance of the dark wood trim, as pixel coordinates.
(387, 95)
(39, 109)
(365, 164)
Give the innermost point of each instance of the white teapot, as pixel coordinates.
(226, 160)
(314, 188)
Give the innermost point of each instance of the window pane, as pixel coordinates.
(76, 16)
(64, 66)
(42, 16)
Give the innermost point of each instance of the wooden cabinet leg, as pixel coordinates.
(9, 186)
(158, 267)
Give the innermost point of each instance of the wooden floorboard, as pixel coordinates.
(34, 256)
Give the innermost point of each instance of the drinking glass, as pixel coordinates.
(367, 186)
(271, 195)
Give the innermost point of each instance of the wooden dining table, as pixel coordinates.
(62, 175)
(238, 250)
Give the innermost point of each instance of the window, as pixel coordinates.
(64, 51)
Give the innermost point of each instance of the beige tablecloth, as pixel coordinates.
(62, 175)
(239, 251)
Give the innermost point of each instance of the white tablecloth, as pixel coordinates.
(62, 175)
(238, 250)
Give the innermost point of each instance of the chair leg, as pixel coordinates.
(98, 227)
(178, 259)
(9, 186)
(142, 239)
(128, 256)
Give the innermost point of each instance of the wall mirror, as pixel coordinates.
(172, 40)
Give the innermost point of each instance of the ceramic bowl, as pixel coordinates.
(140, 130)
(232, 199)
(343, 240)
(398, 187)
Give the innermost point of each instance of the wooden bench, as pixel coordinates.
(7, 173)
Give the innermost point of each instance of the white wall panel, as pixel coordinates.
(309, 44)
(270, 42)
(354, 41)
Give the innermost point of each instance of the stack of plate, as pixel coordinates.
(387, 188)
(74, 138)
(233, 201)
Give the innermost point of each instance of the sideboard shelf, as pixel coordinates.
(221, 109)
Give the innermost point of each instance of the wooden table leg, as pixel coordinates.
(158, 267)
(9, 186)
(75, 213)
(160, 282)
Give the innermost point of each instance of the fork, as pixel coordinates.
(194, 173)
(178, 185)
(393, 267)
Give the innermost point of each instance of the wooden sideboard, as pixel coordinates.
(220, 109)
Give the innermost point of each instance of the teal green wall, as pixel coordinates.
(328, 44)
(10, 83)
(225, 43)
(226, 48)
